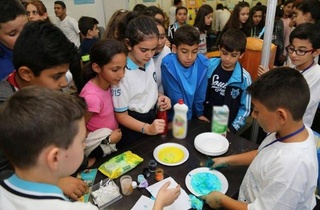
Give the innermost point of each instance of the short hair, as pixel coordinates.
(139, 8)
(282, 87)
(10, 10)
(35, 118)
(41, 8)
(61, 3)
(219, 6)
(152, 11)
(176, 2)
(233, 40)
(101, 53)
(140, 29)
(87, 23)
(40, 46)
(199, 21)
(181, 8)
(307, 31)
(186, 35)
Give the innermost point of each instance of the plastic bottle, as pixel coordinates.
(180, 120)
(162, 114)
(220, 117)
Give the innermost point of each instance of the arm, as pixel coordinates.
(218, 200)
(245, 104)
(235, 160)
(72, 187)
(165, 196)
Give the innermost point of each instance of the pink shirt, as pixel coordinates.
(100, 104)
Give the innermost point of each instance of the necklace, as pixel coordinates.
(285, 137)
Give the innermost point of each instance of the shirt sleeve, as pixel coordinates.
(121, 96)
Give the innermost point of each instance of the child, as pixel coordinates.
(283, 171)
(44, 141)
(53, 53)
(238, 19)
(222, 16)
(112, 31)
(181, 20)
(172, 11)
(227, 80)
(106, 68)
(286, 19)
(136, 97)
(304, 47)
(184, 72)
(203, 24)
(88, 27)
(306, 12)
(12, 19)
(257, 21)
(36, 10)
(161, 51)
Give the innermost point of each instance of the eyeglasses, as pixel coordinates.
(290, 49)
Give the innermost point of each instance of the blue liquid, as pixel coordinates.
(204, 183)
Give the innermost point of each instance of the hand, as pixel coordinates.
(72, 187)
(156, 127)
(164, 102)
(213, 199)
(203, 118)
(219, 163)
(115, 136)
(166, 196)
(262, 70)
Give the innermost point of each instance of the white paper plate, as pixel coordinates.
(220, 176)
(211, 144)
(171, 154)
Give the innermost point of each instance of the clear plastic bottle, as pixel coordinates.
(220, 116)
(180, 120)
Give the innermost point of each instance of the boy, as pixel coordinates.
(227, 80)
(46, 66)
(303, 48)
(184, 72)
(67, 24)
(283, 171)
(12, 19)
(41, 158)
(181, 20)
(89, 29)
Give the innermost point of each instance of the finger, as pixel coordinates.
(74, 196)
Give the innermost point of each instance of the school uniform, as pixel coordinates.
(157, 63)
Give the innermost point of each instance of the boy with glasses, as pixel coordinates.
(303, 48)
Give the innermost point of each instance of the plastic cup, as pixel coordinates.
(126, 184)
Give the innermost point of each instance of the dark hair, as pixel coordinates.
(233, 40)
(86, 23)
(199, 22)
(112, 28)
(123, 24)
(234, 22)
(102, 53)
(139, 8)
(152, 11)
(282, 87)
(307, 31)
(186, 35)
(219, 6)
(181, 8)
(61, 3)
(41, 8)
(253, 10)
(35, 118)
(40, 46)
(176, 2)
(140, 29)
(310, 6)
(10, 10)
(288, 2)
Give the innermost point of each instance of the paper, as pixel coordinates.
(182, 202)
(144, 203)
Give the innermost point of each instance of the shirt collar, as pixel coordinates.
(132, 66)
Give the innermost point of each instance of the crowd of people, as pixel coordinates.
(143, 63)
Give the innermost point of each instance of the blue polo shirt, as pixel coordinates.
(6, 65)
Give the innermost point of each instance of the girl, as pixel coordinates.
(203, 24)
(106, 68)
(286, 19)
(257, 21)
(238, 19)
(136, 96)
(307, 12)
(37, 11)
(181, 18)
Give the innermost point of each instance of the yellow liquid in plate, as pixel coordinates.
(171, 155)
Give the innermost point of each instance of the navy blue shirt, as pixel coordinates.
(6, 65)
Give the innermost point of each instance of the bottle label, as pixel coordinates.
(220, 120)
(178, 126)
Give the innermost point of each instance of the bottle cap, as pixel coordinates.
(134, 184)
(180, 101)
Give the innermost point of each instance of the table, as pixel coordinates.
(144, 148)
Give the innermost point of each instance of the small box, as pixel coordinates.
(105, 193)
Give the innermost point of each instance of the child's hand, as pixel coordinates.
(219, 163)
(156, 127)
(72, 187)
(166, 196)
(213, 199)
(115, 136)
(203, 118)
(164, 102)
(262, 70)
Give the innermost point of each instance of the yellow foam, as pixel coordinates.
(171, 155)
